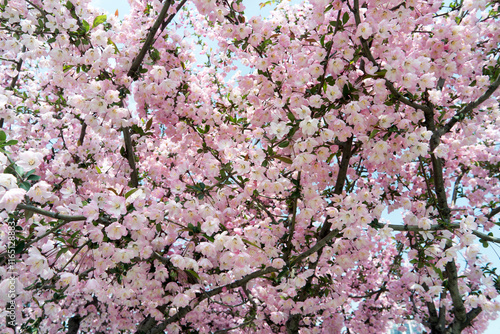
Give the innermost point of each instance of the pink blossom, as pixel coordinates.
(210, 225)
(29, 160)
(116, 231)
(181, 300)
(40, 192)
(116, 206)
(8, 181)
(11, 199)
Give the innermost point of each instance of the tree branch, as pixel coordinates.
(468, 108)
(74, 324)
(65, 219)
(493, 212)
(341, 178)
(134, 176)
(437, 227)
(82, 134)
(368, 54)
(458, 304)
(240, 283)
(18, 69)
(50, 214)
(171, 17)
(132, 72)
(292, 223)
(456, 186)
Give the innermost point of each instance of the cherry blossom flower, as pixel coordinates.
(29, 160)
(11, 198)
(116, 231)
(309, 126)
(8, 181)
(279, 129)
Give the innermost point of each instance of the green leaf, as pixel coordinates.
(86, 26)
(192, 273)
(113, 43)
(158, 228)
(149, 124)
(13, 169)
(284, 159)
(10, 142)
(284, 144)
(373, 133)
(209, 238)
(61, 252)
(345, 18)
(3, 136)
(248, 242)
(33, 178)
(154, 54)
(98, 169)
(20, 247)
(130, 192)
(438, 271)
(98, 20)
(263, 4)
(28, 214)
(204, 130)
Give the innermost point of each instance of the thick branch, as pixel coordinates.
(134, 176)
(433, 314)
(14, 80)
(319, 245)
(50, 214)
(458, 304)
(74, 324)
(493, 213)
(82, 134)
(132, 72)
(171, 17)
(341, 178)
(18, 68)
(291, 229)
(146, 325)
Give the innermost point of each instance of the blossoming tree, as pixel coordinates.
(144, 192)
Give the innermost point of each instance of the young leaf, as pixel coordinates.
(98, 20)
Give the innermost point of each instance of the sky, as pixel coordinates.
(253, 8)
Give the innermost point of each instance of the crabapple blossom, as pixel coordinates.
(115, 231)
(11, 198)
(29, 160)
(8, 181)
(309, 126)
